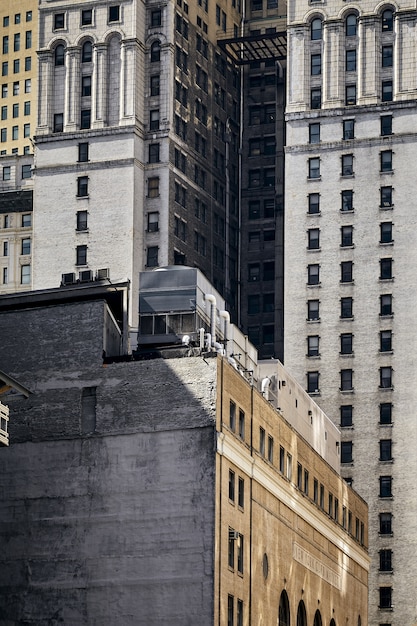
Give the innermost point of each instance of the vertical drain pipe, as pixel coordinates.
(210, 298)
(226, 316)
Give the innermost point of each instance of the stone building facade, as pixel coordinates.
(350, 251)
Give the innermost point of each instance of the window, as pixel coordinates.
(155, 52)
(313, 310)
(82, 186)
(254, 304)
(15, 133)
(316, 29)
(153, 187)
(240, 555)
(385, 560)
(254, 178)
(289, 466)
(351, 25)
(86, 86)
(155, 85)
(385, 269)
(16, 42)
(315, 98)
(350, 64)
(16, 66)
(346, 343)
(154, 153)
(6, 172)
(346, 380)
(346, 452)
(385, 377)
(3, 135)
(385, 523)
(386, 90)
(17, 18)
(387, 20)
(314, 133)
(386, 232)
(313, 238)
(350, 95)
(230, 599)
(26, 171)
(4, 112)
(28, 39)
(4, 68)
(268, 303)
(59, 21)
(387, 56)
(4, 91)
(241, 425)
(28, 16)
(58, 122)
(85, 118)
(385, 450)
(314, 203)
(5, 275)
(262, 441)
(315, 67)
(347, 165)
(153, 222)
(28, 64)
(87, 52)
(313, 382)
(5, 248)
(5, 44)
(114, 13)
(386, 161)
(313, 274)
(81, 255)
(346, 415)
(25, 275)
(346, 272)
(385, 413)
(154, 119)
(86, 17)
(239, 616)
(5, 20)
(156, 17)
(270, 449)
(83, 149)
(231, 485)
(385, 304)
(314, 167)
(346, 236)
(348, 129)
(385, 597)
(82, 217)
(386, 197)
(386, 125)
(313, 345)
(152, 256)
(25, 246)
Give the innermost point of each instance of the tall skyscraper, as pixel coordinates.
(350, 258)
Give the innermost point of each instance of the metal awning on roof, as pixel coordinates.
(248, 48)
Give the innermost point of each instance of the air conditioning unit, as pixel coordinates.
(103, 274)
(67, 279)
(85, 276)
(385, 203)
(233, 535)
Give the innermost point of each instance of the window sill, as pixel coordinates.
(314, 393)
(387, 462)
(386, 388)
(347, 175)
(383, 425)
(314, 285)
(313, 178)
(386, 280)
(386, 207)
(347, 282)
(343, 355)
(346, 319)
(313, 321)
(349, 211)
(385, 498)
(387, 172)
(313, 249)
(386, 316)
(81, 265)
(346, 428)
(82, 197)
(349, 247)
(346, 391)
(82, 230)
(386, 352)
(313, 356)
(312, 214)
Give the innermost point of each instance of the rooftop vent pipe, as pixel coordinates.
(225, 315)
(210, 298)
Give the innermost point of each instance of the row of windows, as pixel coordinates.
(231, 611)
(346, 342)
(240, 499)
(385, 451)
(268, 271)
(346, 308)
(16, 88)
(15, 136)
(348, 129)
(346, 271)
(25, 247)
(346, 380)
(86, 17)
(26, 172)
(25, 275)
(351, 24)
(16, 66)
(350, 60)
(346, 414)
(17, 42)
(347, 169)
(17, 18)
(26, 221)
(350, 94)
(346, 198)
(346, 239)
(15, 110)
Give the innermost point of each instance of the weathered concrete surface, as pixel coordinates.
(117, 525)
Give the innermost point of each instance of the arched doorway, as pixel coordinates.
(284, 610)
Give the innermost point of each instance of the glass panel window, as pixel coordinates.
(85, 118)
(86, 86)
(386, 91)
(346, 415)
(87, 52)
(350, 65)
(350, 95)
(314, 167)
(386, 232)
(25, 275)
(385, 377)
(316, 29)
(348, 129)
(385, 450)
(346, 236)
(351, 25)
(152, 256)
(59, 21)
(386, 304)
(385, 413)
(346, 307)
(386, 125)
(387, 20)
(386, 197)
(114, 13)
(313, 203)
(315, 98)
(346, 272)
(347, 165)
(86, 17)
(385, 523)
(346, 343)
(346, 452)
(313, 238)
(385, 486)
(315, 64)
(346, 380)
(313, 382)
(313, 274)
(313, 345)
(313, 310)
(386, 161)
(314, 133)
(387, 56)
(82, 218)
(385, 269)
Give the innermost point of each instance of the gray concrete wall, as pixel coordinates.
(107, 489)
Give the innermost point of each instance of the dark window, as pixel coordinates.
(87, 52)
(386, 197)
(346, 380)
(350, 95)
(154, 153)
(315, 97)
(385, 340)
(58, 122)
(385, 269)
(385, 523)
(83, 152)
(154, 120)
(386, 232)
(230, 599)
(385, 560)
(313, 274)
(347, 165)
(313, 310)
(346, 452)
(152, 256)
(254, 272)
(81, 255)
(346, 343)
(314, 167)
(313, 345)
(386, 90)
(386, 304)
(346, 415)
(86, 17)
(385, 597)
(313, 382)
(350, 61)
(385, 377)
(59, 20)
(242, 436)
(26, 171)
(114, 13)
(387, 56)
(386, 161)
(239, 616)
(82, 220)
(385, 450)
(86, 118)
(346, 307)
(231, 485)
(155, 52)
(351, 25)
(86, 86)
(314, 133)
(387, 20)
(348, 129)
(269, 270)
(314, 203)
(153, 222)
(315, 64)
(347, 200)
(346, 272)
(254, 305)
(59, 55)
(25, 246)
(316, 29)
(155, 85)
(240, 555)
(313, 238)
(254, 210)
(386, 124)
(346, 236)
(254, 178)
(82, 186)
(156, 17)
(385, 413)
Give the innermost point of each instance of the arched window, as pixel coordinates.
(155, 52)
(301, 614)
(60, 54)
(317, 619)
(284, 610)
(359, 621)
(316, 29)
(87, 52)
(351, 25)
(387, 20)
(332, 622)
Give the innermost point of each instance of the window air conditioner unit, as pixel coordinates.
(233, 535)
(68, 279)
(385, 203)
(103, 274)
(85, 276)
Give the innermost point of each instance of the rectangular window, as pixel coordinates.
(316, 491)
(314, 203)
(387, 56)
(59, 21)
(321, 496)
(86, 17)
(261, 441)
(114, 13)
(85, 86)
(270, 449)
(241, 424)
(5, 275)
(4, 112)
(154, 119)
(232, 416)
(386, 161)
(16, 66)
(16, 88)
(386, 90)
(385, 232)
(386, 125)
(5, 248)
(153, 222)
(346, 380)
(346, 415)
(153, 187)
(315, 98)
(16, 42)
(231, 485)
(82, 186)
(4, 91)
(58, 122)
(313, 310)
(230, 603)
(385, 269)
(385, 523)
(313, 274)
(6, 172)
(348, 129)
(385, 304)
(85, 118)
(313, 238)
(28, 39)
(25, 275)
(155, 85)
(28, 85)
(26, 108)
(346, 233)
(346, 272)
(82, 217)
(154, 153)
(312, 382)
(289, 466)
(346, 452)
(299, 476)
(28, 16)
(81, 255)
(385, 597)
(26, 130)
(386, 197)
(26, 171)
(152, 256)
(385, 377)
(4, 68)
(83, 152)
(239, 615)
(350, 61)
(15, 133)
(5, 44)
(385, 486)
(313, 345)
(346, 343)
(281, 459)
(314, 167)
(241, 493)
(385, 413)
(385, 560)
(350, 95)
(240, 555)
(3, 135)
(347, 165)
(385, 450)
(25, 246)
(315, 64)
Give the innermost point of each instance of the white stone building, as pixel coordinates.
(351, 250)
